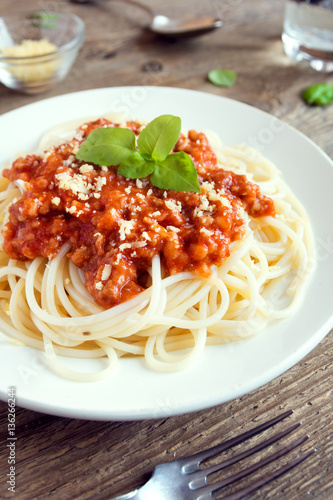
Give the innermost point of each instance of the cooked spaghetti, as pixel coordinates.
(97, 265)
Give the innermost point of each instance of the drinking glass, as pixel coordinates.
(308, 32)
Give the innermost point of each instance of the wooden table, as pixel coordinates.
(64, 458)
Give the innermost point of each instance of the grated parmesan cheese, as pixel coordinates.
(76, 183)
(173, 228)
(56, 200)
(84, 169)
(139, 244)
(125, 227)
(206, 231)
(100, 182)
(174, 206)
(106, 273)
(124, 246)
(29, 71)
(214, 195)
(28, 48)
(79, 185)
(71, 210)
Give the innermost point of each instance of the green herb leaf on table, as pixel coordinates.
(115, 146)
(319, 94)
(159, 137)
(107, 146)
(176, 172)
(222, 77)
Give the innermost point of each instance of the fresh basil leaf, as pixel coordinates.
(46, 20)
(117, 146)
(136, 167)
(44, 15)
(107, 146)
(222, 77)
(159, 137)
(319, 94)
(176, 172)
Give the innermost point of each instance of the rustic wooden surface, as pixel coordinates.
(64, 458)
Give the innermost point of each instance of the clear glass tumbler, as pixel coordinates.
(308, 32)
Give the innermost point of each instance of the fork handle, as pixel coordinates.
(126, 496)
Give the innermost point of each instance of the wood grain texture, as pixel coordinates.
(61, 458)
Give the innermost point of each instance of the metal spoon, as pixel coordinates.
(172, 28)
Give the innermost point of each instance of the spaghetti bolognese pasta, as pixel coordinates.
(95, 265)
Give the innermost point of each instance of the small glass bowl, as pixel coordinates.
(37, 49)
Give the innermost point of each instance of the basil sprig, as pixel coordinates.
(112, 146)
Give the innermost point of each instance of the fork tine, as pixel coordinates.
(191, 463)
(201, 475)
(261, 482)
(210, 488)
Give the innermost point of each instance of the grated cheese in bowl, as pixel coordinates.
(31, 71)
(37, 49)
(28, 48)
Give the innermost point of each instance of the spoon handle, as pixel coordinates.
(138, 4)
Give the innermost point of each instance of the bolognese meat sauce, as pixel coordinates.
(116, 226)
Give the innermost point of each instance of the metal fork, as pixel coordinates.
(184, 479)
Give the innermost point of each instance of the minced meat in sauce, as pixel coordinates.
(117, 225)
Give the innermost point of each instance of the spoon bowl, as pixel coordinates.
(172, 28)
(183, 28)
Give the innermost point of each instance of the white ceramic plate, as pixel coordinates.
(224, 372)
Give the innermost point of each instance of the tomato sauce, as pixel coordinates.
(116, 225)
